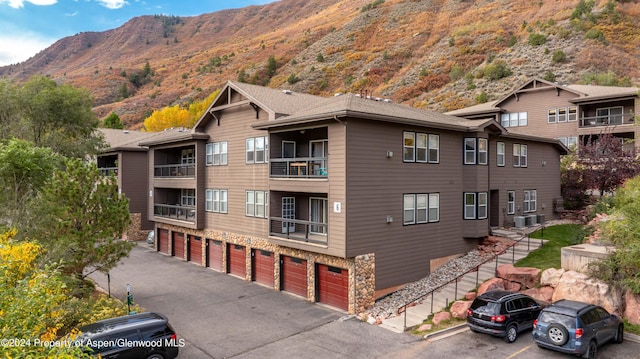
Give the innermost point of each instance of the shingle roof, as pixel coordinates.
(351, 105)
(281, 102)
(124, 139)
(592, 92)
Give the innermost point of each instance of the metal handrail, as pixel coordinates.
(476, 269)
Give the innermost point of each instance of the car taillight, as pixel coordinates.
(174, 337)
(498, 318)
(579, 332)
(469, 312)
(535, 323)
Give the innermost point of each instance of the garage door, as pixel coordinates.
(294, 275)
(178, 245)
(163, 241)
(332, 286)
(237, 260)
(195, 249)
(262, 267)
(214, 255)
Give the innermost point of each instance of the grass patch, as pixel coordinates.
(558, 236)
(434, 328)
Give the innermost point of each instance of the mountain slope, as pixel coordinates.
(427, 53)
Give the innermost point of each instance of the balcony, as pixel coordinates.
(109, 171)
(303, 167)
(299, 230)
(175, 170)
(181, 213)
(611, 120)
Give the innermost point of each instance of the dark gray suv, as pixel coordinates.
(502, 313)
(577, 328)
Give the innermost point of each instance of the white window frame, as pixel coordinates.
(470, 141)
(409, 209)
(524, 159)
(216, 153)
(552, 115)
(523, 119)
(572, 113)
(434, 148)
(434, 207)
(250, 150)
(532, 195)
(500, 154)
(483, 205)
(422, 148)
(422, 208)
(483, 151)
(208, 157)
(188, 197)
(257, 204)
(572, 142)
(469, 207)
(511, 202)
(526, 201)
(408, 146)
(563, 114)
(216, 200)
(516, 155)
(257, 150)
(504, 120)
(208, 200)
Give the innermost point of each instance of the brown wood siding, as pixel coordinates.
(541, 174)
(537, 104)
(262, 267)
(236, 177)
(214, 249)
(333, 286)
(375, 188)
(135, 183)
(293, 274)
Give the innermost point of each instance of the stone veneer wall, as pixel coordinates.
(135, 231)
(361, 268)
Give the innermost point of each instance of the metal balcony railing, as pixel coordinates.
(299, 230)
(301, 167)
(175, 170)
(109, 171)
(612, 120)
(182, 213)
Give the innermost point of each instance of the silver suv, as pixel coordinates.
(576, 328)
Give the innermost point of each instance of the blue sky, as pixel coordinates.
(29, 26)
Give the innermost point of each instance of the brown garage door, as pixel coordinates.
(262, 267)
(178, 245)
(332, 286)
(214, 256)
(236, 260)
(294, 275)
(163, 240)
(195, 249)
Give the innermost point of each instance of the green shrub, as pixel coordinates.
(537, 39)
(559, 56)
(496, 71)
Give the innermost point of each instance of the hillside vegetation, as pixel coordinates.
(437, 54)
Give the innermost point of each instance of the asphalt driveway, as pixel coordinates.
(221, 316)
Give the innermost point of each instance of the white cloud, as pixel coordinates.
(18, 48)
(17, 4)
(71, 14)
(112, 4)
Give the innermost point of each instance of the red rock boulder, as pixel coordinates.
(527, 277)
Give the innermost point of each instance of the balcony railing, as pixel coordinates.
(612, 120)
(180, 170)
(301, 167)
(299, 230)
(182, 213)
(109, 171)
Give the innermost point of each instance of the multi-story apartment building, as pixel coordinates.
(571, 113)
(339, 200)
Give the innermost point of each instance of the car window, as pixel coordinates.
(528, 303)
(550, 317)
(602, 314)
(154, 333)
(590, 317)
(511, 305)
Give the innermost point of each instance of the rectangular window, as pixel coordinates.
(216, 153)
(513, 119)
(409, 209)
(208, 158)
(188, 197)
(523, 155)
(434, 207)
(469, 151)
(208, 200)
(562, 114)
(469, 206)
(552, 115)
(216, 200)
(257, 204)
(482, 205)
(188, 156)
(533, 200)
(257, 150)
(421, 147)
(526, 203)
(434, 148)
(250, 150)
(523, 118)
(409, 154)
(223, 201)
(504, 120)
(421, 208)
(482, 151)
(511, 202)
(572, 142)
(572, 113)
(500, 147)
(260, 148)
(516, 155)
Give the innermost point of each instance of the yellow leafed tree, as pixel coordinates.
(176, 116)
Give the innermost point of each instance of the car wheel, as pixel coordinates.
(592, 351)
(512, 334)
(620, 334)
(155, 356)
(558, 334)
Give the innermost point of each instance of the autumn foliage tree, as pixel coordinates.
(606, 163)
(177, 116)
